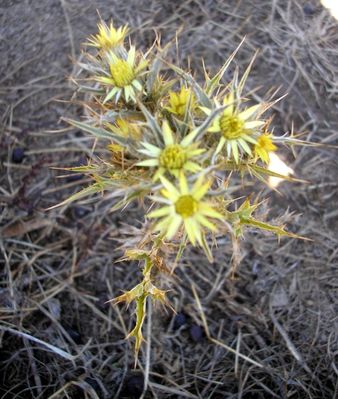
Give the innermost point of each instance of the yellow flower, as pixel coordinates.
(173, 157)
(123, 76)
(236, 128)
(178, 102)
(115, 148)
(108, 37)
(185, 206)
(125, 129)
(263, 146)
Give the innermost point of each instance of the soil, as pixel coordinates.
(277, 314)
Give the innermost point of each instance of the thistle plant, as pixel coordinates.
(175, 146)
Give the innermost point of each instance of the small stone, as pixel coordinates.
(180, 320)
(80, 212)
(308, 10)
(196, 333)
(54, 306)
(75, 336)
(134, 386)
(18, 155)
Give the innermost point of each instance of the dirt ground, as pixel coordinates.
(275, 322)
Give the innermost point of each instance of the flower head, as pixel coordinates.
(123, 76)
(179, 102)
(124, 128)
(173, 157)
(236, 128)
(108, 37)
(184, 206)
(263, 146)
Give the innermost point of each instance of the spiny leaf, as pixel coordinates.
(93, 189)
(130, 295)
(80, 169)
(213, 83)
(245, 76)
(136, 332)
(304, 143)
(207, 249)
(87, 89)
(269, 227)
(269, 172)
(153, 73)
(130, 197)
(154, 126)
(98, 132)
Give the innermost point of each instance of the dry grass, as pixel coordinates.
(269, 332)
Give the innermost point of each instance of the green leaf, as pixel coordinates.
(87, 89)
(154, 126)
(130, 197)
(213, 83)
(242, 82)
(269, 227)
(153, 73)
(140, 312)
(93, 189)
(98, 132)
(207, 249)
(264, 171)
(81, 169)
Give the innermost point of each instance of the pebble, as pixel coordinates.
(80, 212)
(18, 155)
(180, 320)
(134, 386)
(196, 333)
(309, 10)
(75, 336)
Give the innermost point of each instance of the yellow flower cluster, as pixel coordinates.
(173, 144)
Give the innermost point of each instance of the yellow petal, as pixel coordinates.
(244, 115)
(229, 100)
(163, 224)
(167, 133)
(189, 138)
(131, 56)
(152, 149)
(235, 150)
(200, 190)
(160, 212)
(148, 162)
(189, 228)
(183, 184)
(192, 167)
(171, 189)
(249, 138)
(253, 124)
(207, 210)
(197, 230)
(215, 127)
(245, 146)
(173, 227)
(205, 222)
(160, 172)
(220, 145)
(206, 110)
